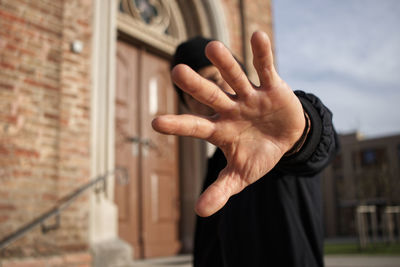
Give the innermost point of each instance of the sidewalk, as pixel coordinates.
(361, 261)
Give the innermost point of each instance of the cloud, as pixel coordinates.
(355, 110)
(349, 51)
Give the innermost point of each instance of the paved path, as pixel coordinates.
(362, 261)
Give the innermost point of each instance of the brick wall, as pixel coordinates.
(243, 18)
(44, 120)
(71, 259)
(258, 17)
(233, 19)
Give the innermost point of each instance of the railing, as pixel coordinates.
(120, 175)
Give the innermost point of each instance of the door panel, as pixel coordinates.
(149, 205)
(160, 162)
(127, 197)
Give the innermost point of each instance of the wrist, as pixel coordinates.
(300, 142)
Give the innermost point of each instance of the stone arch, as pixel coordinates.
(172, 22)
(205, 18)
(187, 18)
(191, 17)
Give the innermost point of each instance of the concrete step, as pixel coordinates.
(175, 261)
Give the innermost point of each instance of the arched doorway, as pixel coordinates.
(148, 206)
(154, 216)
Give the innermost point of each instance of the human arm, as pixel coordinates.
(254, 127)
(320, 145)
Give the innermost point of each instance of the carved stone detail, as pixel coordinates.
(154, 13)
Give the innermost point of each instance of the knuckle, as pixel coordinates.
(213, 97)
(195, 128)
(237, 78)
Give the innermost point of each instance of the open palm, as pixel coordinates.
(254, 127)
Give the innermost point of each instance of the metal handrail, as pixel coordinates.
(65, 202)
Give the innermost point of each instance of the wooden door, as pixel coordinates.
(149, 205)
(127, 197)
(160, 162)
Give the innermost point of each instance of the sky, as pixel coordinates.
(347, 52)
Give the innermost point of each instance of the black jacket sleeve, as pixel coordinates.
(321, 144)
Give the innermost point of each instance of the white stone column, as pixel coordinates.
(102, 118)
(107, 248)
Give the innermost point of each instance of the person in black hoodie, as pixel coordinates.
(261, 204)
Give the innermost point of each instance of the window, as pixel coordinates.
(373, 156)
(368, 157)
(156, 13)
(159, 21)
(147, 11)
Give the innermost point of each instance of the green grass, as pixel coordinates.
(351, 248)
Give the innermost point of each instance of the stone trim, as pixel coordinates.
(102, 118)
(151, 34)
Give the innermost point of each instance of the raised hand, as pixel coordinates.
(254, 127)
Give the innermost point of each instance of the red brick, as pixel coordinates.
(24, 263)
(9, 207)
(49, 30)
(27, 70)
(75, 246)
(40, 84)
(11, 47)
(4, 194)
(10, 17)
(11, 119)
(6, 65)
(21, 152)
(32, 82)
(22, 173)
(26, 52)
(51, 116)
(49, 196)
(4, 218)
(6, 86)
(4, 151)
(54, 57)
(83, 23)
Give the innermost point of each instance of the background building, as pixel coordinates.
(366, 172)
(80, 82)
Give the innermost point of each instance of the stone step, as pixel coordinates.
(175, 261)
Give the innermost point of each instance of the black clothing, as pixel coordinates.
(192, 53)
(277, 221)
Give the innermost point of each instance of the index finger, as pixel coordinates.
(201, 89)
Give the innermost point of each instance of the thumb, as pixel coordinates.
(218, 193)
